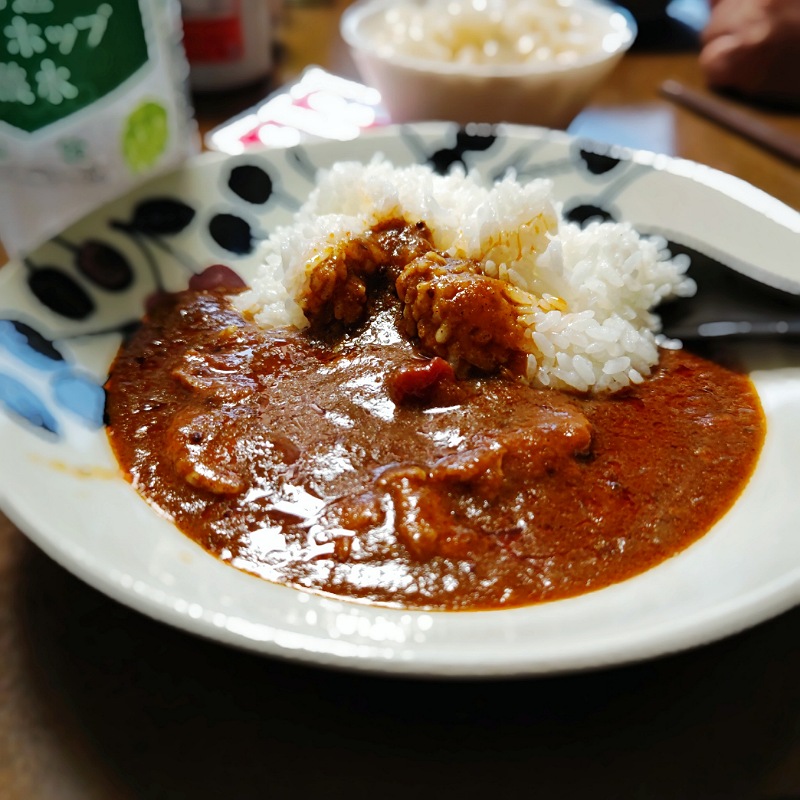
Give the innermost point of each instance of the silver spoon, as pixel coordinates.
(729, 305)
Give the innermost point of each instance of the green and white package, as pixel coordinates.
(93, 99)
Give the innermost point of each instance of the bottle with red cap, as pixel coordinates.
(228, 42)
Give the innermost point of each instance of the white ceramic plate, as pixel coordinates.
(59, 482)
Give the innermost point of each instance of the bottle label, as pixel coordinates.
(49, 52)
(212, 31)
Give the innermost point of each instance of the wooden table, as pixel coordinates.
(97, 701)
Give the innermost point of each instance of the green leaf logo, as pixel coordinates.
(144, 138)
(61, 56)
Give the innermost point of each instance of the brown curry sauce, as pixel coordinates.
(349, 463)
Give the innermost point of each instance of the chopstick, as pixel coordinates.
(769, 137)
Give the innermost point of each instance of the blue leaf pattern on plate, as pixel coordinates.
(81, 396)
(20, 400)
(29, 346)
(75, 392)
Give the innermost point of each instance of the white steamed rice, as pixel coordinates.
(585, 295)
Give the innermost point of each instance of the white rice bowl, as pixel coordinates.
(586, 296)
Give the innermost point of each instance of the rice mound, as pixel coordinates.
(585, 295)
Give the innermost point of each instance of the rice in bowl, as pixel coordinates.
(585, 295)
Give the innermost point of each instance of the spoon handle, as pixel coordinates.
(729, 329)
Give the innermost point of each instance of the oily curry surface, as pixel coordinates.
(350, 464)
